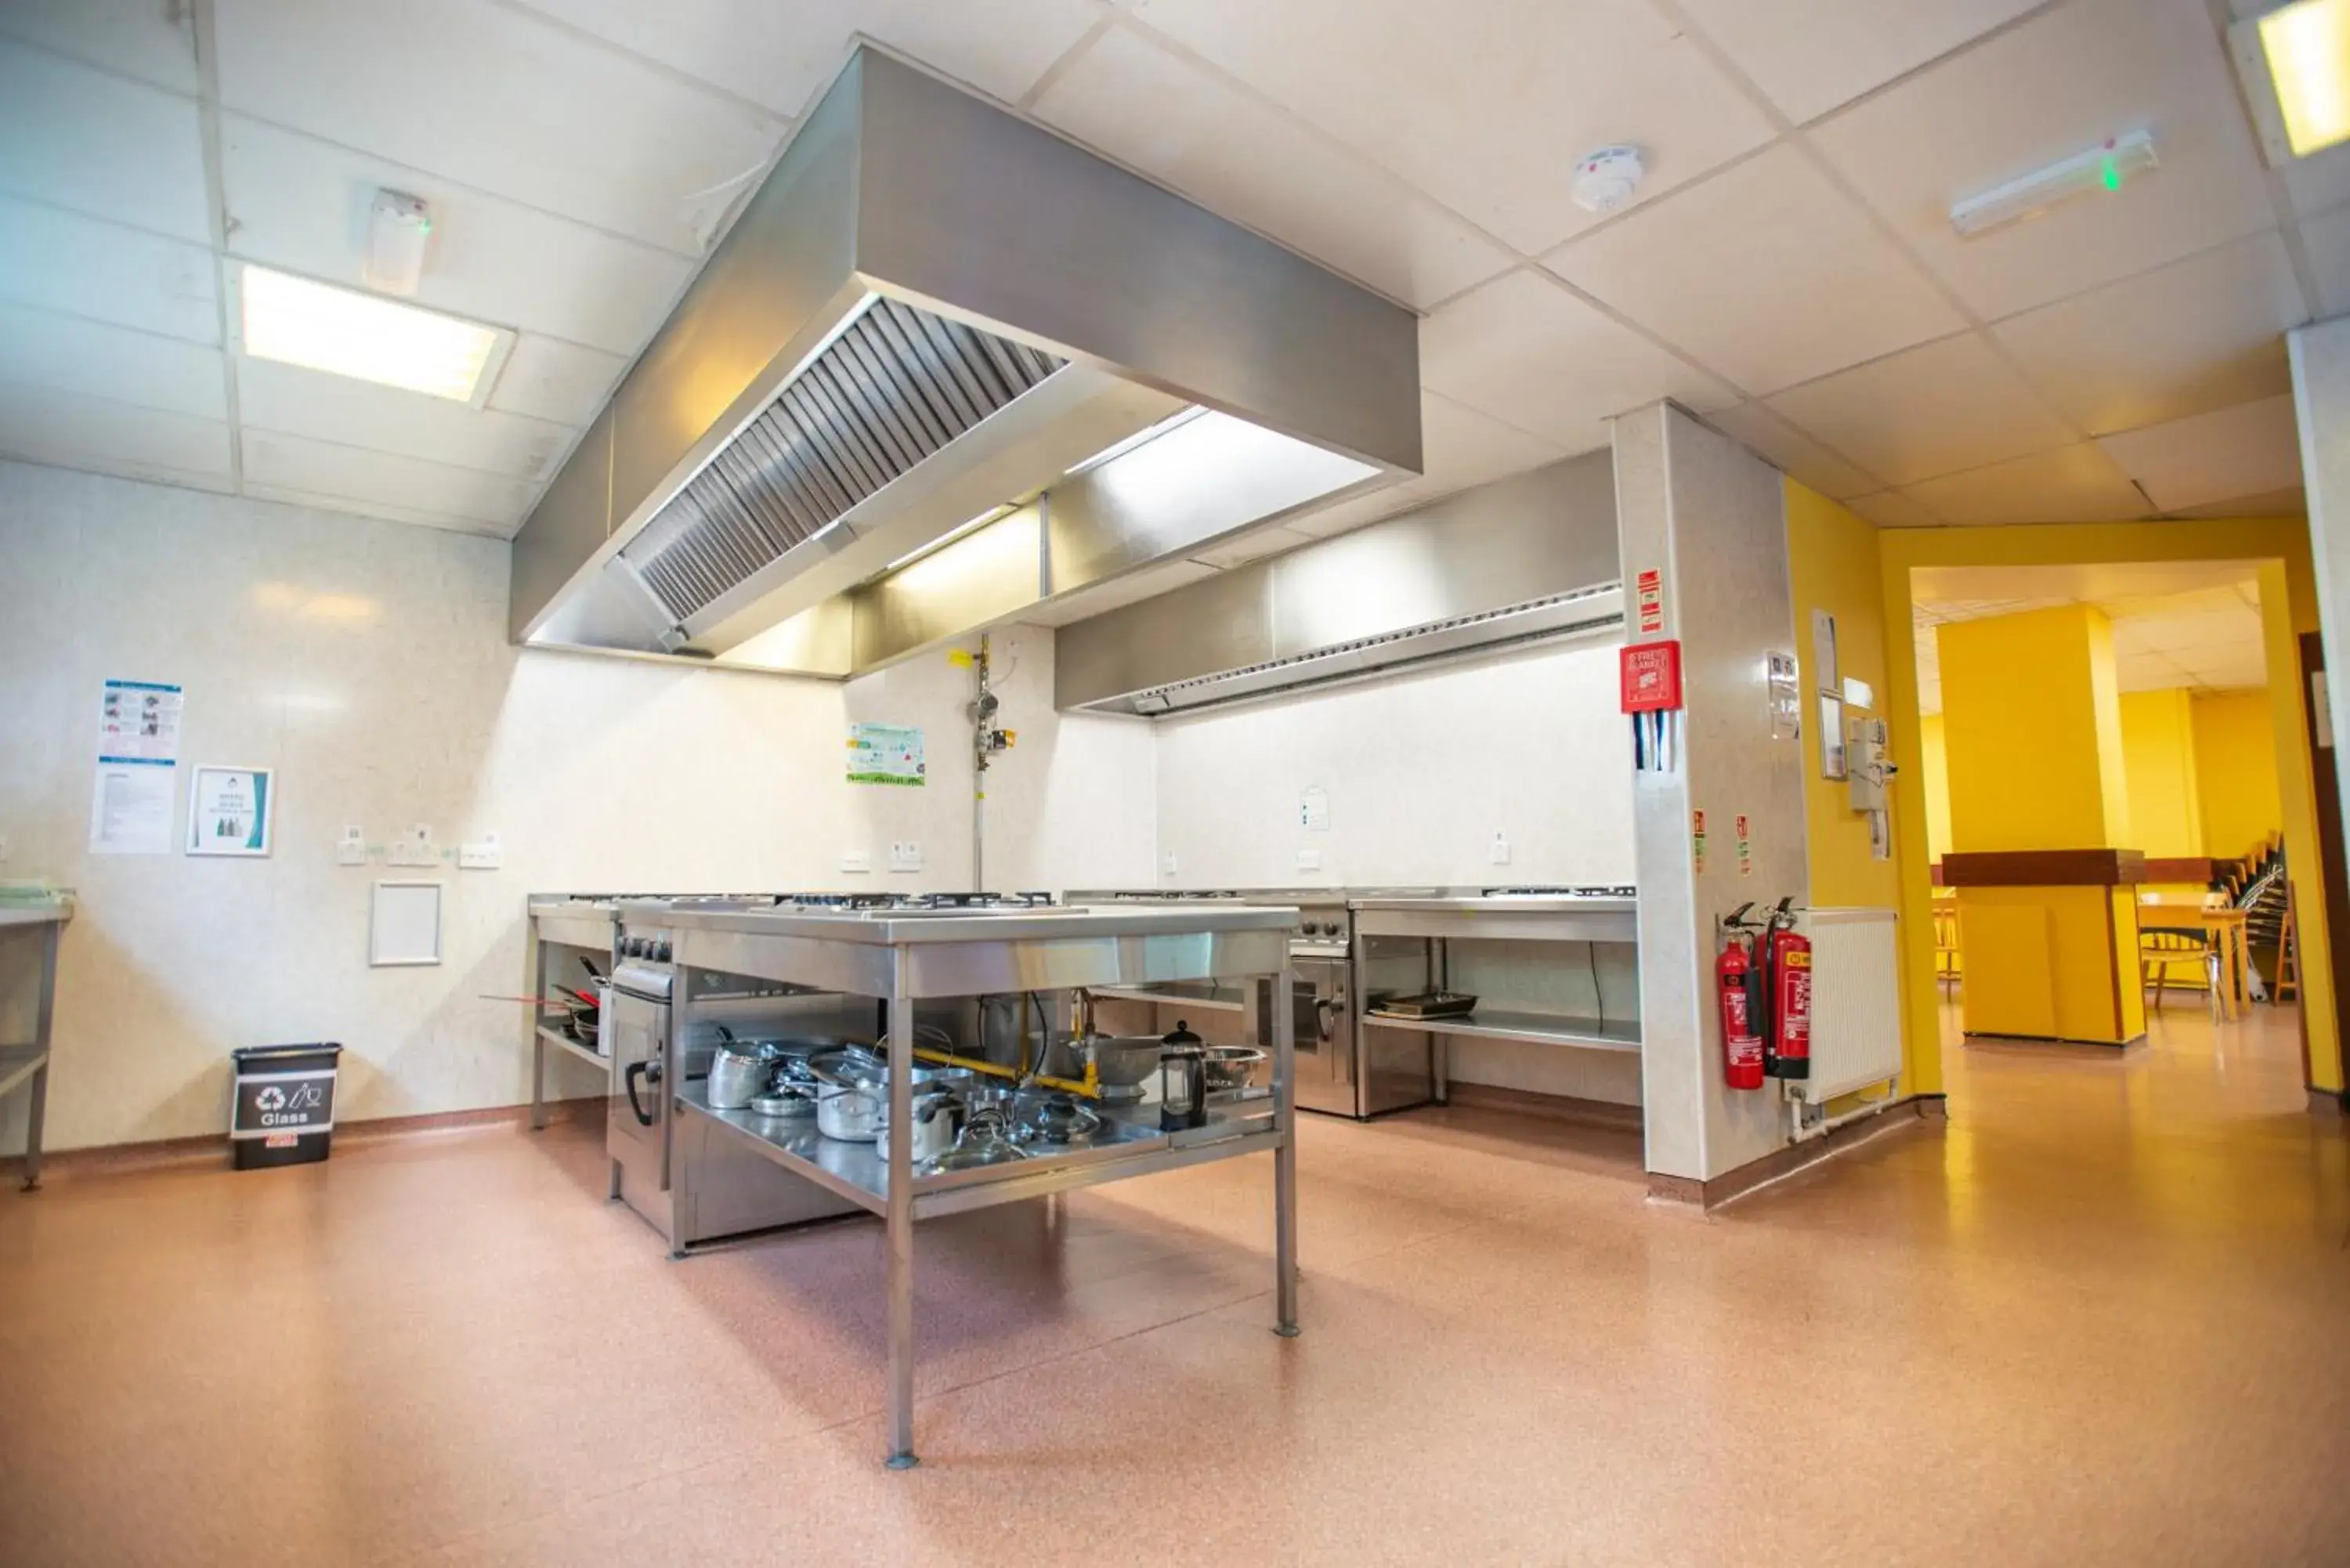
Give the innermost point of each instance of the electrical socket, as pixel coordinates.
(856, 862)
(351, 849)
(1499, 853)
(1169, 868)
(1309, 860)
(483, 854)
(905, 855)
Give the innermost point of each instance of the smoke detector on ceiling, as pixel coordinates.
(1604, 180)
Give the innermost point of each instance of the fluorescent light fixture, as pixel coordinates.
(960, 531)
(347, 333)
(2295, 66)
(2106, 167)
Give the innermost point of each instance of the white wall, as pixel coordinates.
(1420, 771)
(367, 662)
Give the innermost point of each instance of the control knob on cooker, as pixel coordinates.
(661, 951)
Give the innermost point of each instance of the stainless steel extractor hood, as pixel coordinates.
(1528, 559)
(931, 315)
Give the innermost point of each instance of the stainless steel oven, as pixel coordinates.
(1323, 1018)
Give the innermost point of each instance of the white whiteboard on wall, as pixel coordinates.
(404, 927)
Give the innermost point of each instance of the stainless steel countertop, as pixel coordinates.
(51, 914)
(1502, 904)
(904, 927)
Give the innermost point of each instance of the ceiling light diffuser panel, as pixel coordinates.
(345, 332)
(2295, 65)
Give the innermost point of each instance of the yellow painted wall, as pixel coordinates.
(2235, 771)
(2158, 760)
(2288, 605)
(2031, 731)
(1833, 565)
(1937, 780)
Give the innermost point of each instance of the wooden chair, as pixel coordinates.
(2288, 960)
(1946, 941)
(2161, 949)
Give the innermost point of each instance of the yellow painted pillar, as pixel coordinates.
(2032, 735)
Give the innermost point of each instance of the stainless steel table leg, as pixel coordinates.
(537, 1041)
(37, 1114)
(901, 1234)
(1285, 1160)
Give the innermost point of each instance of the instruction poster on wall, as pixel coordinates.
(885, 754)
(137, 767)
(228, 811)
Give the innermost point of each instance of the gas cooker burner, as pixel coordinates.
(978, 901)
(1587, 892)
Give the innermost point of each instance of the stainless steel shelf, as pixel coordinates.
(1541, 1028)
(1180, 994)
(580, 1049)
(855, 1171)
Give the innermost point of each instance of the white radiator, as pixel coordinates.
(1855, 1002)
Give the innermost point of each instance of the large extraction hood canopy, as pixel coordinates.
(932, 320)
(1532, 559)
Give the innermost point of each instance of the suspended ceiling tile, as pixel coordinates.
(92, 142)
(1794, 453)
(152, 41)
(2326, 239)
(1529, 353)
(1251, 546)
(783, 55)
(1483, 107)
(2077, 484)
(2290, 502)
(1933, 409)
(1190, 129)
(295, 401)
(2149, 672)
(2199, 335)
(427, 489)
(301, 205)
(318, 501)
(1893, 509)
(2061, 83)
(1818, 287)
(1461, 447)
(500, 101)
(2252, 449)
(84, 267)
(1809, 56)
(553, 380)
(42, 424)
(2182, 631)
(43, 349)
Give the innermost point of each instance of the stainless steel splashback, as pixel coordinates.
(933, 309)
(1530, 558)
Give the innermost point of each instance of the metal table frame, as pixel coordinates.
(908, 960)
(562, 922)
(29, 1062)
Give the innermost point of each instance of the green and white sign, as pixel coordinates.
(228, 812)
(885, 754)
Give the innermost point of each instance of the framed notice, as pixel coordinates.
(229, 811)
(885, 754)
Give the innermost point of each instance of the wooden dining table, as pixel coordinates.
(2224, 924)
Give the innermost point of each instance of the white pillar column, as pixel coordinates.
(2321, 397)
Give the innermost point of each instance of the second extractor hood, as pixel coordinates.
(931, 313)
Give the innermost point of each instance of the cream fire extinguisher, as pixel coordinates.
(1734, 978)
(1787, 979)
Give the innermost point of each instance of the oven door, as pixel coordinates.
(1322, 1015)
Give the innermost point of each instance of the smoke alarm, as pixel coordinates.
(1604, 180)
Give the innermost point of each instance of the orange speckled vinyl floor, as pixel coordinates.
(2103, 1317)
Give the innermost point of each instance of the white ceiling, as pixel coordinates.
(2182, 624)
(1788, 270)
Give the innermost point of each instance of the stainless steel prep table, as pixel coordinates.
(560, 922)
(1497, 917)
(905, 957)
(27, 1062)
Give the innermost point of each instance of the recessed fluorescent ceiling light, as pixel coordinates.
(2307, 49)
(346, 333)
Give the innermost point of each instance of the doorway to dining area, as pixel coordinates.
(2103, 812)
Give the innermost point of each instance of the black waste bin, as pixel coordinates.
(283, 1112)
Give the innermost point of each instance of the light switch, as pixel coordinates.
(1499, 851)
(1169, 866)
(351, 849)
(905, 855)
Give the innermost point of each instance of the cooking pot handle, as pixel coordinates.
(637, 1070)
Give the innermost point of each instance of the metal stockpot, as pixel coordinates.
(939, 1117)
(740, 1072)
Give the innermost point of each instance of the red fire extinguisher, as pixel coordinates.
(1742, 1042)
(1788, 962)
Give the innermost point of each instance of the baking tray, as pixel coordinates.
(1428, 1004)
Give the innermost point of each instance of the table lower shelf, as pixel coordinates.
(1540, 1028)
(18, 1063)
(578, 1048)
(1134, 1147)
